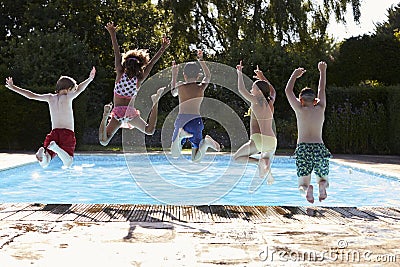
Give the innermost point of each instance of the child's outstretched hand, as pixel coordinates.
(298, 72)
(259, 74)
(174, 68)
(92, 73)
(322, 66)
(9, 82)
(111, 27)
(165, 42)
(239, 67)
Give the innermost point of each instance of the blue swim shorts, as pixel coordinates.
(312, 156)
(191, 123)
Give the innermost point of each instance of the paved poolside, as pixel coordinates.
(52, 234)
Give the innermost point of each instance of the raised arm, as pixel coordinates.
(174, 87)
(28, 94)
(293, 100)
(112, 29)
(164, 45)
(82, 86)
(206, 70)
(241, 87)
(322, 84)
(260, 75)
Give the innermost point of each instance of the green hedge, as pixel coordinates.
(393, 106)
(25, 123)
(363, 120)
(359, 120)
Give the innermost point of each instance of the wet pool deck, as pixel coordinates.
(162, 235)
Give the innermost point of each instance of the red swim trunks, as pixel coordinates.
(64, 138)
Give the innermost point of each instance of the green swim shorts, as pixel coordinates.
(312, 156)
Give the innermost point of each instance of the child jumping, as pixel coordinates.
(311, 153)
(262, 137)
(61, 140)
(132, 69)
(188, 124)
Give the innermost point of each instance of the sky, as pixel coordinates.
(372, 12)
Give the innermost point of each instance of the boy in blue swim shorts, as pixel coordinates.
(311, 153)
(188, 124)
(193, 125)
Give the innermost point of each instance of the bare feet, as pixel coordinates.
(263, 167)
(309, 195)
(52, 145)
(155, 97)
(176, 146)
(64, 156)
(43, 157)
(107, 110)
(322, 190)
(204, 145)
(270, 179)
(40, 154)
(183, 134)
(212, 143)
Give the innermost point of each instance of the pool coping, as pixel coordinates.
(381, 165)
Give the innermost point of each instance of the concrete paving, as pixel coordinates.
(357, 241)
(11, 160)
(387, 165)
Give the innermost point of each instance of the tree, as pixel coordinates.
(392, 25)
(370, 58)
(277, 35)
(55, 54)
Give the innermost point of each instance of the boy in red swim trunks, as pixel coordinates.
(61, 140)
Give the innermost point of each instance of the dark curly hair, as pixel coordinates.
(134, 62)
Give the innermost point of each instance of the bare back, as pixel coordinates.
(310, 120)
(261, 119)
(61, 111)
(309, 114)
(190, 98)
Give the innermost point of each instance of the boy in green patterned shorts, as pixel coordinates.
(311, 153)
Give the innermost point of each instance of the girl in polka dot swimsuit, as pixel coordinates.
(132, 69)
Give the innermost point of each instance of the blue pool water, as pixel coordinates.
(217, 180)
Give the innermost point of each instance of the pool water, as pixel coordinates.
(115, 179)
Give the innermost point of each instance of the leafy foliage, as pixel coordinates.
(362, 120)
(367, 58)
(42, 39)
(370, 57)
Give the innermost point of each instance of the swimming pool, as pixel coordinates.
(122, 178)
